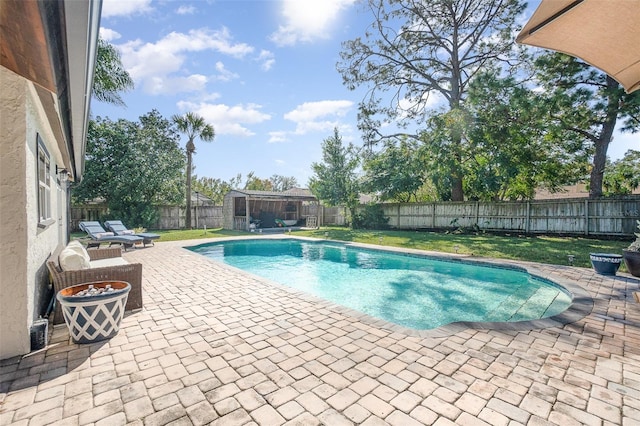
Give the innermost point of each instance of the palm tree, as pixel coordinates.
(110, 76)
(193, 126)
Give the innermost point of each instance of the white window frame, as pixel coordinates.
(43, 172)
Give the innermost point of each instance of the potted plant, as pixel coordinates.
(632, 255)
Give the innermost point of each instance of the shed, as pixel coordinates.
(246, 209)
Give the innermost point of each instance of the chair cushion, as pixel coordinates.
(72, 260)
(111, 261)
(77, 246)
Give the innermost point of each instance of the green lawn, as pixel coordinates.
(542, 249)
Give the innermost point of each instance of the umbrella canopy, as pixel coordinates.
(605, 34)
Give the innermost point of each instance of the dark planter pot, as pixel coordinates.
(605, 263)
(632, 261)
(93, 311)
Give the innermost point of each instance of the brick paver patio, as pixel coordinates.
(217, 346)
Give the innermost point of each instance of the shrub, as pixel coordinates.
(371, 217)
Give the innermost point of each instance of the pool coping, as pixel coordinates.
(581, 301)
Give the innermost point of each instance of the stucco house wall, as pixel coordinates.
(46, 75)
(25, 246)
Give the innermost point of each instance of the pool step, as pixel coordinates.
(537, 304)
(511, 304)
(526, 304)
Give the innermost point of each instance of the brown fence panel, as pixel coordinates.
(578, 216)
(91, 212)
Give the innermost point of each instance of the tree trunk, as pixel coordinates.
(457, 193)
(191, 148)
(602, 143)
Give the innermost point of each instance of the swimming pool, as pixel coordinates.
(412, 291)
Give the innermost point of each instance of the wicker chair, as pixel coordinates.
(131, 273)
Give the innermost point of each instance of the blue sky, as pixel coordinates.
(262, 72)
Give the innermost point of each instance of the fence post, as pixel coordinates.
(433, 215)
(586, 216)
(477, 213)
(527, 225)
(398, 217)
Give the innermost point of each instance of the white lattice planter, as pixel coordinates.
(94, 317)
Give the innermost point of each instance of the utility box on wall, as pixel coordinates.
(39, 334)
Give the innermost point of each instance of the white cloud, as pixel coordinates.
(109, 35)
(267, 59)
(307, 20)
(318, 116)
(125, 7)
(147, 63)
(278, 137)
(309, 111)
(223, 73)
(173, 85)
(228, 120)
(208, 97)
(186, 10)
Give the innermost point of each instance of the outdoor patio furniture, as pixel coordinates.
(117, 227)
(104, 264)
(99, 235)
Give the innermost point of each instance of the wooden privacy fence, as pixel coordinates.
(326, 216)
(202, 216)
(170, 217)
(598, 217)
(576, 216)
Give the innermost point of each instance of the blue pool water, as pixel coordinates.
(412, 291)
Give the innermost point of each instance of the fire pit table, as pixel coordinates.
(93, 311)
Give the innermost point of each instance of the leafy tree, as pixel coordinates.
(110, 76)
(213, 188)
(216, 189)
(133, 166)
(441, 154)
(510, 155)
(397, 172)
(584, 105)
(623, 176)
(415, 50)
(335, 181)
(283, 183)
(194, 127)
(254, 183)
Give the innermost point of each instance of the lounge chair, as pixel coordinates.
(284, 223)
(98, 236)
(118, 228)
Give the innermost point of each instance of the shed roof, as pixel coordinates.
(301, 194)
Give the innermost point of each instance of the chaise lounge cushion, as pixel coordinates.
(99, 235)
(118, 227)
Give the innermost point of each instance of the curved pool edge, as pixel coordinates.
(581, 301)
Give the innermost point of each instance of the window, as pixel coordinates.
(44, 183)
